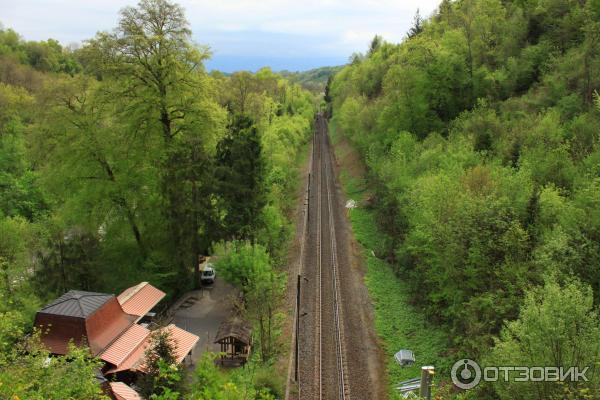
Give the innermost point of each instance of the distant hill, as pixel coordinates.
(314, 80)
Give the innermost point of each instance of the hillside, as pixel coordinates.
(481, 138)
(314, 80)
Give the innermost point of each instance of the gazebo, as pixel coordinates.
(235, 338)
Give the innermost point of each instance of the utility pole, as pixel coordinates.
(308, 198)
(297, 328)
(427, 373)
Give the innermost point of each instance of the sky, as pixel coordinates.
(243, 35)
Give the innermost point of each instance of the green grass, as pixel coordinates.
(399, 325)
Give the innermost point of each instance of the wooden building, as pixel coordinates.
(86, 318)
(235, 338)
(111, 327)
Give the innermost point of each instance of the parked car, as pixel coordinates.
(208, 274)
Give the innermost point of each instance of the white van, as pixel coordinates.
(208, 274)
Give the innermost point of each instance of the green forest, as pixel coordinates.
(480, 134)
(122, 161)
(314, 80)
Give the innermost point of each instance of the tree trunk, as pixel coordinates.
(195, 217)
(172, 192)
(263, 352)
(62, 267)
(269, 324)
(136, 232)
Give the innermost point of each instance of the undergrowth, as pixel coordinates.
(399, 325)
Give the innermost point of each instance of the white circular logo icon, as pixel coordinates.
(466, 374)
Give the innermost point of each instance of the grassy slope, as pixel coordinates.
(398, 324)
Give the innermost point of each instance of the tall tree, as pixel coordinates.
(240, 173)
(166, 95)
(91, 165)
(375, 44)
(241, 84)
(417, 26)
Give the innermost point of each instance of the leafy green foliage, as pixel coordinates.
(248, 266)
(27, 371)
(211, 383)
(46, 56)
(557, 326)
(163, 374)
(167, 377)
(480, 135)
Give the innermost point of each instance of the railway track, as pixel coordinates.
(322, 372)
(343, 389)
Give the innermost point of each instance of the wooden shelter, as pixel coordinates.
(235, 338)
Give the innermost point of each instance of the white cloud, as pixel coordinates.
(301, 28)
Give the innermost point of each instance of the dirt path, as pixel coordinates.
(339, 356)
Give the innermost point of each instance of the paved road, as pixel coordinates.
(203, 312)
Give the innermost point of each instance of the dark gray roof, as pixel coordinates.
(76, 303)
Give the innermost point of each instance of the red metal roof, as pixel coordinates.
(106, 325)
(134, 360)
(138, 300)
(124, 392)
(184, 342)
(126, 344)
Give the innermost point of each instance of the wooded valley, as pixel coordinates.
(124, 160)
(480, 134)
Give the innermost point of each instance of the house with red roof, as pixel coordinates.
(109, 326)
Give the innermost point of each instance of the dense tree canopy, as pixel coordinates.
(481, 139)
(123, 161)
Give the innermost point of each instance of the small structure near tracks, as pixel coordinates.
(235, 338)
(405, 357)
